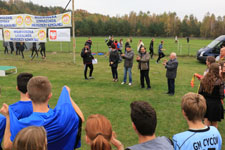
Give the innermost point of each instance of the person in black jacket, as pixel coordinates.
(151, 48)
(17, 48)
(171, 72)
(11, 46)
(22, 47)
(42, 47)
(87, 60)
(34, 49)
(113, 62)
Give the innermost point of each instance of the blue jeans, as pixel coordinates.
(125, 75)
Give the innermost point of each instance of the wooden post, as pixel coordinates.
(73, 28)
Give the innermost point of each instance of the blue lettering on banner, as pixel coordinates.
(16, 39)
(23, 35)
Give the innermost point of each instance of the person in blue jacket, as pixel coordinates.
(62, 123)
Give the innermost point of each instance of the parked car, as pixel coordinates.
(213, 49)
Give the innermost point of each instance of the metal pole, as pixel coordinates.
(73, 28)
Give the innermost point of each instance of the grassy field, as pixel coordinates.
(103, 96)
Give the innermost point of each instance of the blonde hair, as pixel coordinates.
(39, 88)
(99, 131)
(194, 106)
(31, 138)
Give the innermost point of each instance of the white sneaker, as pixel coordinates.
(123, 83)
(130, 84)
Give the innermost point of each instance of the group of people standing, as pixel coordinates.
(116, 56)
(21, 46)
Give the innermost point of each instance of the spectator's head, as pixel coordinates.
(222, 52)
(208, 82)
(143, 49)
(128, 48)
(39, 89)
(31, 138)
(222, 70)
(98, 132)
(121, 40)
(143, 117)
(22, 80)
(210, 60)
(113, 46)
(116, 41)
(89, 38)
(86, 46)
(153, 39)
(128, 40)
(162, 42)
(193, 107)
(173, 56)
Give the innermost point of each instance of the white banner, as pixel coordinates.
(62, 35)
(11, 21)
(30, 21)
(1, 38)
(25, 35)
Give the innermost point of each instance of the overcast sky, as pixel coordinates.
(120, 7)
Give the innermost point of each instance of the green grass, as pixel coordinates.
(103, 96)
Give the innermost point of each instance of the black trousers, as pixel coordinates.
(43, 50)
(86, 68)
(144, 74)
(114, 72)
(6, 50)
(17, 50)
(12, 49)
(22, 53)
(34, 50)
(171, 86)
(151, 53)
(161, 55)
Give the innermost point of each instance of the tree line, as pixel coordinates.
(132, 24)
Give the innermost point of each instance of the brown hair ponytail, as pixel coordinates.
(99, 131)
(100, 143)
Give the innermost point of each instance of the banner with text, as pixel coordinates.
(31, 21)
(1, 38)
(25, 35)
(59, 35)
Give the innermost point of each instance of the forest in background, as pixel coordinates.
(167, 24)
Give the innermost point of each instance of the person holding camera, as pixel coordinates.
(171, 72)
(143, 60)
(87, 60)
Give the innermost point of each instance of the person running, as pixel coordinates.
(11, 46)
(42, 47)
(17, 48)
(22, 47)
(151, 48)
(6, 44)
(160, 52)
(34, 49)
